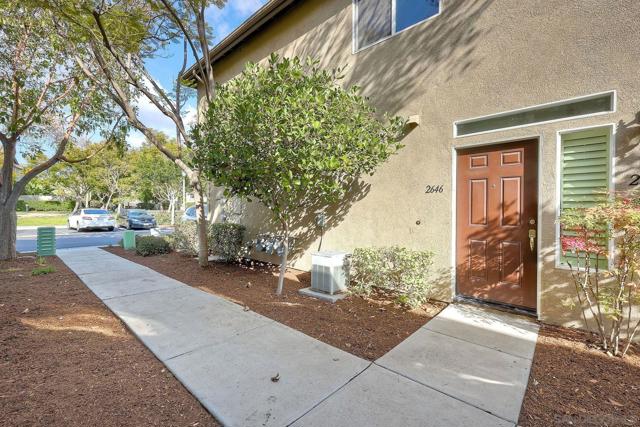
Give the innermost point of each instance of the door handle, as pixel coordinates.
(532, 239)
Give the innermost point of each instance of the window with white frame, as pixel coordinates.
(379, 19)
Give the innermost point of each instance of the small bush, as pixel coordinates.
(398, 269)
(42, 270)
(151, 245)
(185, 238)
(164, 217)
(225, 240)
(606, 297)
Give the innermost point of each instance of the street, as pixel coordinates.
(26, 239)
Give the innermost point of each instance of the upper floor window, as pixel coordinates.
(379, 19)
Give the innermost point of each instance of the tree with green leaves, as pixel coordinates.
(47, 102)
(84, 181)
(288, 135)
(154, 174)
(109, 171)
(122, 36)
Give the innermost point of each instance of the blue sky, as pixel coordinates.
(164, 68)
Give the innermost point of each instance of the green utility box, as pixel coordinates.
(46, 243)
(129, 239)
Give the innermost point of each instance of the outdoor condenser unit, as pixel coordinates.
(329, 272)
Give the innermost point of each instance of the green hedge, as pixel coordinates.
(224, 238)
(151, 245)
(398, 269)
(185, 238)
(45, 206)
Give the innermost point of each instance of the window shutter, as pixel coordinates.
(584, 174)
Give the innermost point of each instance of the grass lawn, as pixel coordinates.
(42, 219)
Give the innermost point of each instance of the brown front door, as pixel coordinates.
(497, 206)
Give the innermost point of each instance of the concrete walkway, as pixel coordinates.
(466, 367)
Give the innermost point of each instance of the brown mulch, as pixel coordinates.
(365, 327)
(572, 382)
(66, 360)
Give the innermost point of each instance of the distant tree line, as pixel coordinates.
(112, 177)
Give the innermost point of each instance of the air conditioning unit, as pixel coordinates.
(329, 272)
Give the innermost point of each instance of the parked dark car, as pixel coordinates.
(137, 218)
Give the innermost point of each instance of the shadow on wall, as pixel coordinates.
(627, 153)
(304, 229)
(402, 67)
(392, 72)
(443, 46)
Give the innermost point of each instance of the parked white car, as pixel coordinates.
(86, 219)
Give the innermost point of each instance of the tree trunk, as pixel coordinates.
(283, 261)
(8, 223)
(172, 209)
(108, 202)
(203, 247)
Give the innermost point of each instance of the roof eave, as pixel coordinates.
(237, 36)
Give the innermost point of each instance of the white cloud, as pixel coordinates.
(135, 139)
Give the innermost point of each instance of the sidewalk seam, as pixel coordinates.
(444, 393)
(330, 394)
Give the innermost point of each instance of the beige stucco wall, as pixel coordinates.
(475, 58)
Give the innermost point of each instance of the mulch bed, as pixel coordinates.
(365, 327)
(66, 360)
(574, 383)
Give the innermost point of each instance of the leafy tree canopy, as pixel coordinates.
(288, 135)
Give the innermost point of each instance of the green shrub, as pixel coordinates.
(164, 217)
(45, 206)
(401, 270)
(225, 240)
(42, 270)
(185, 238)
(151, 245)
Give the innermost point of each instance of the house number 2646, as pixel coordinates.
(430, 189)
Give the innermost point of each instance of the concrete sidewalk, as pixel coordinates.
(466, 367)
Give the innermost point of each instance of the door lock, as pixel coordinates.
(532, 239)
